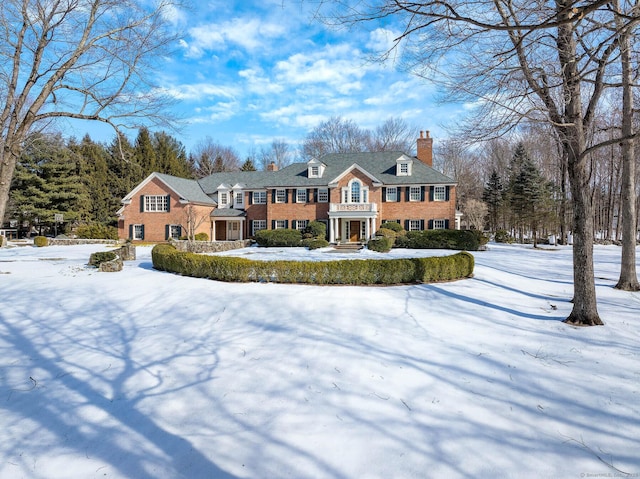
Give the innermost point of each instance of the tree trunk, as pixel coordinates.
(628, 278)
(8, 160)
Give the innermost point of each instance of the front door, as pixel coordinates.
(233, 230)
(354, 231)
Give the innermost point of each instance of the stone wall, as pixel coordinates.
(209, 246)
(77, 241)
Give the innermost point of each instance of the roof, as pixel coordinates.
(189, 190)
(250, 180)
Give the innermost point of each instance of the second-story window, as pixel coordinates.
(414, 193)
(281, 196)
(323, 195)
(355, 192)
(301, 195)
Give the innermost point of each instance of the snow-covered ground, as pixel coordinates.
(149, 375)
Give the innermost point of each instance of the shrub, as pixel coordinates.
(503, 236)
(97, 231)
(278, 238)
(387, 233)
(201, 237)
(40, 241)
(470, 240)
(316, 229)
(393, 226)
(355, 272)
(315, 243)
(381, 244)
(96, 259)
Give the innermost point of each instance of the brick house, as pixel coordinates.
(352, 193)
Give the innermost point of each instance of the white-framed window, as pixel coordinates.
(223, 198)
(415, 225)
(392, 193)
(301, 195)
(239, 198)
(301, 224)
(315, 171)
(156, 203)
(280, 224)
(355, 191)
(323, 195)
(258, 225)
(440, 193)
(415, 193)
(404, 168)
(438, 224)
(175, 231)
(259, 197)
(137, 232)
(281, 196)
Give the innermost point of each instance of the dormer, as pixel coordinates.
(315, 168)
(238, 196)
(225, 196)
(404, 165)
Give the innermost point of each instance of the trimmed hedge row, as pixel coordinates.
(352, 272)
(467, 240)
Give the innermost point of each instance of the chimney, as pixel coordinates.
(272, 166)
(425, 148)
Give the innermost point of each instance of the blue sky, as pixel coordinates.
(249, 72)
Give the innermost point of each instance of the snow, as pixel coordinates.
(145, 374)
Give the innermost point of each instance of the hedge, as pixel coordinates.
(351, 272)
(278, 238)
(467, 240)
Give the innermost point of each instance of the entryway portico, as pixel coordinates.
(352, 222)
(227, 224)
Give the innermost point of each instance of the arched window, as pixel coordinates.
(355, 191)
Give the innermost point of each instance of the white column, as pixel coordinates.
(367, 229)
(213, 230)
(241, 229)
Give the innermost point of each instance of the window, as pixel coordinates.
(156, 203)
(301, 196)
(438, 224)
(137, 232)
(415, 193)
(281, 196)
(315, 171)
(280, 224)
(175, 231)
(258, 225)
(355, 192)
(404, 168)
(323, 195)
(223, 199)
(415, 225)
(301, 224)
(259, 198)
(239, 198)
(440, 193)
(392, 193)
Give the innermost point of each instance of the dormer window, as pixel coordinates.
(403, 166)
(315, 169)
(223, 199)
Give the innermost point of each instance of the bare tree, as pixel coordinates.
(475, 213)
(81, 59)
(521, 62)
(335, 135)
(279, 153)
(209, 156)
(193, 218)
(394, 135)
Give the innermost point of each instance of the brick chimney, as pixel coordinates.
(272, 166)
(425, 148)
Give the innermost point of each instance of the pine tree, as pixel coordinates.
(145, 153)
(95, 174)
(170, 156)
(248, 165)
(493, 196)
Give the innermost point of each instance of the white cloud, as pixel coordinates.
(199, 91)
(259, 83)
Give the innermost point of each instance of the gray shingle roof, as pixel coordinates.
(250, 179)
(190, 190)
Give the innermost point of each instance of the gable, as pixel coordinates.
(357, 171)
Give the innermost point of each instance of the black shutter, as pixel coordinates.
(142, 231)
(315, 195)
(286, 224)
(273, 196)
(430, 224)
(168, 203)
(447, 193)
(251, 197)
(167, 231)
(273, 224)
(407, 194)
(422, 193)
(406, 225)
(294, 224)
(131, 231)
(179, 232)
(141, 203)
(286, 196)
(421, 225)
(384, 194)
(431, 193)
(446, 224)
(294, 198)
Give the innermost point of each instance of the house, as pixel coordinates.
(352, 193)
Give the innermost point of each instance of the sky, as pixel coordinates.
(248, 72)
(151, 375)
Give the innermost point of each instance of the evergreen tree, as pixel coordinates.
(145, 153)
(95, 174)
(493, 196)
(248, 165)
(170, 156)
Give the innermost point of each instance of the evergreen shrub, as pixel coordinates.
(101, 257)
(468, 240)
(40, 241)
(278, 238)
(381, 244)
(201, 237)
(393, 226)
(97, 231)
(503, 236)
(315, 243)
(316, 229)
(353, 272)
